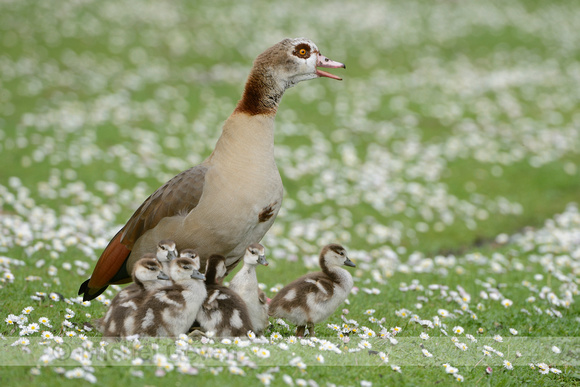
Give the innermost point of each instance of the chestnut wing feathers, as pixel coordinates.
(179, 195)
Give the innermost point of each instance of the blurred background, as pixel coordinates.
(457, 122)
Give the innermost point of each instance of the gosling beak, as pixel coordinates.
(171, 255)
(262, 260)
(322, 61)
(197, 275)
(163, 276)
(348, 262)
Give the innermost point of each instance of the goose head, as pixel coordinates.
(147, 269)
(166, 250)
(279, 67)
(183, 268)
(334, 255)
(255, 255)
(294, 60)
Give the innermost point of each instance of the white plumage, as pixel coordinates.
(245, 284)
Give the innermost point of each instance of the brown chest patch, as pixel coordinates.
(267, 212)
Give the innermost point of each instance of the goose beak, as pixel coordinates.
(348, 262)
(171, 255)
(197, 275)
(322, 61)
(262, 260)
(162, 276)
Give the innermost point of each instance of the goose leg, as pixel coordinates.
(310, 327)
(300, 331)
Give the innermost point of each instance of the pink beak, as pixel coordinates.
(322, 61)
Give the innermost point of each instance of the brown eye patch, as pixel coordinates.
(302, 50)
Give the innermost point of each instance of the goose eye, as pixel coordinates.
(302, 52)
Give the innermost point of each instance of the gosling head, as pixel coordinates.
(166, 250)
(334, 255)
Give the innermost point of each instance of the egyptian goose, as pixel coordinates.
(223, 311)
(146, 275)
(245, 284)
(165, 253)
(313, 297)
(231, 199)
(170, 311)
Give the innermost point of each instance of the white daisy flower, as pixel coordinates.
(508, 365)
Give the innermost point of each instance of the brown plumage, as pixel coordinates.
(313, 297)
(223, 311)
(170, 311)
(232, 198)
(129, 299)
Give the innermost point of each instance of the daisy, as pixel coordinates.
(507, 303)
(45, 321)
(27, 310)
(457, 330)
(265, 378)
(544, 368)
(33, 328)
(424, 336)
(263, 353)
(11, 319)
(556, 349)
(384, 357)
(365, 345)
(508, 365)
(555, 371)
(443, 313)
(498, 338)
(513, 331)
(275, 336)
(458, 377)
(47, 335)
(426, 353)
(461, 346)
(396, 368)
(320, 358)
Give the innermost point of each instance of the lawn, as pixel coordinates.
(447, 163)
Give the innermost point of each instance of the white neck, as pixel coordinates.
(246, 140)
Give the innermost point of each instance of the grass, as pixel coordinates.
(456, 123)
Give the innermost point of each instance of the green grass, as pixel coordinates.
(437, 98)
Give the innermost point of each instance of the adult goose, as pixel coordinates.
(231, 199)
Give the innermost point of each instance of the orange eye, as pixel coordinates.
(302, 52)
